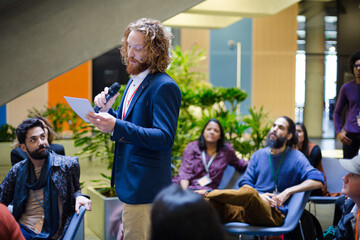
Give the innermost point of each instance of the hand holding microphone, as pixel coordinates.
(105, 100)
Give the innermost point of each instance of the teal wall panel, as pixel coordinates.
(223, 58)
(2, 115)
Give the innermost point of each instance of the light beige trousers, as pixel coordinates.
(136, 219)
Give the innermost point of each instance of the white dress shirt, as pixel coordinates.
(136, 81)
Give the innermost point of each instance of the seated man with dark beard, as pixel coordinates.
(44, 188)
(272, 176)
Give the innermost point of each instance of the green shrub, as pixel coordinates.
(201, 102)
(7, 133)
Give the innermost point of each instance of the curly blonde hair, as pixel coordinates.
(157, 41)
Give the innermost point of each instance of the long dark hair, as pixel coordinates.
(291, 129)
(179, 214)
(49, 127)
(221, 142)
(305, 146)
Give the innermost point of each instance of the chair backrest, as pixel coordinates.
(296, 206)
(228, 174)
(334, 173)
(75, 222)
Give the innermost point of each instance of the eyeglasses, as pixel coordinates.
(356, 65)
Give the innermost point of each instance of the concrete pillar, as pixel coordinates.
(314, 81)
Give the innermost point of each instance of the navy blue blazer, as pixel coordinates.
(143, 140)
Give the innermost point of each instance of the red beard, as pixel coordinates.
(135, 68)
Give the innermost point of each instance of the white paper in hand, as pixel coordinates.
(81, 106)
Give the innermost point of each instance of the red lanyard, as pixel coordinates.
(357, 227)
(127, 102)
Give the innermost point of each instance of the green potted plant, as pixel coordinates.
(201, 101)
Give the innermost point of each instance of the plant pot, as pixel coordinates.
(105, 214)
(5, 149)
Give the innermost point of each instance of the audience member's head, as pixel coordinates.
(282, 132)
(9, 228)
(355, 57)
(25, 126)
(303, 139)
(180, 214)
(49, 131)
(48, 128)
(352, 179)
(153, 45)
(212, 126)
(32, 138)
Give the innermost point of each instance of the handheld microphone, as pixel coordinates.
(112, 91)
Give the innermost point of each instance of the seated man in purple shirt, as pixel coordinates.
(273, 175)
(204, 161)
(349, 134)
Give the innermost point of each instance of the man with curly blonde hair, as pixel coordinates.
(144, 125)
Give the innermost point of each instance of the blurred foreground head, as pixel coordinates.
(180, 214)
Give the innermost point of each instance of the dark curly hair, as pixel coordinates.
(157, 42)
(24, 127)
(353, 59)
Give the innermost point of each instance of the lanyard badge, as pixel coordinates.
(276, 177)
(205, 180)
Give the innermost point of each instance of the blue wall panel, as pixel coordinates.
(2, 115)
(223, 58)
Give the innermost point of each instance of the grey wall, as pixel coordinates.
(41, 39)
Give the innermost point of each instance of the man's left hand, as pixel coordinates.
(103, 121)
(81, 200)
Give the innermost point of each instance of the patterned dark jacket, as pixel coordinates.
(344, 228)
(65, 175)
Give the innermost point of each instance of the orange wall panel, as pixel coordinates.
(197, 37)
(74, 83)
(274, 54)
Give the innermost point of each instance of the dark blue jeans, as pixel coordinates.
(27, 232)
(352, 150)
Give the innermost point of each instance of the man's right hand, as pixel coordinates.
(268, 197)
(100, 100)
(343, 138)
